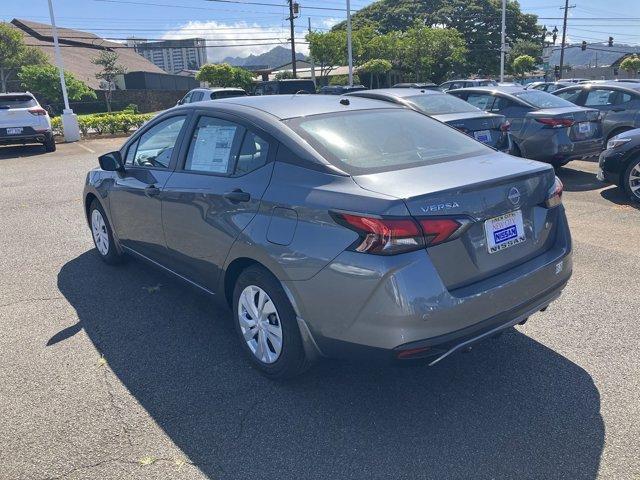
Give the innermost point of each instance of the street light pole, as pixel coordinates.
(70, 126)
(349, 50)
(503, 38)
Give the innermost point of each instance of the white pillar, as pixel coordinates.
(69, 119)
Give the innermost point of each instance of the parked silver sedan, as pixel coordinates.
(339, 227)
(543, 127)
(619, 103)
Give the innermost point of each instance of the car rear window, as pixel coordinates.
(378, 140)
(227, 94)
(295, 87)
(441, 104)
(542, 99)
(17, 101)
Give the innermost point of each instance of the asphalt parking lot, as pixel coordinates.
(124, 372)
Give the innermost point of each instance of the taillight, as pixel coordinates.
(555, 194)
(555, 122)
(505, 126)
(37, 111)
(438, 230)
(389, 236)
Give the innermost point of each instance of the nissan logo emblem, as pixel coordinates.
(514, 195)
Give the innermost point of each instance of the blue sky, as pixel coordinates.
(230, 22)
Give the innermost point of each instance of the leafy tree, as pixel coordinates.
(631, 64)
(225, 75)
(374, 68)
(432, 53)
(108, 60)
(523, 64)
(328, 50)
(525, 47)
(45, 80)
(14, 54)
(478, 21)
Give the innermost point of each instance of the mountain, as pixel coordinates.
(273, 58)
(601, 55)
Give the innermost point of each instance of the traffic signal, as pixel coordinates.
(611, 41)
(583, 47)
(556, 71)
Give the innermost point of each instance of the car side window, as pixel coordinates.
(197, 96)
(501, 104)
(214, 146)
(627, 97)
(570, 95)
(600, 97)
(186, 98)
(253, 154)
(483, 101)
(131, 153)
(155, 146)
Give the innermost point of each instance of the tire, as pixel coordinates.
(50, 143)
(277, 319)
(632, 170)
(103, 235)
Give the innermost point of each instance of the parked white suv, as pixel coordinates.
(23, 120)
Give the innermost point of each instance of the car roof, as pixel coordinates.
(395, 92)
(491, 89)
(471, 80)
(610, 83)
(225, 89)
(299, 105)
(13, 94)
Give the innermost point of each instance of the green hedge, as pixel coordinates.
(109, 123)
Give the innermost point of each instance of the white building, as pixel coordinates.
(173, 56)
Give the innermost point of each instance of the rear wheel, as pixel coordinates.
(102, 234)
(266, 325)
(50, 143)
(631, 179)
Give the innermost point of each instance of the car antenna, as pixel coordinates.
(344, 101)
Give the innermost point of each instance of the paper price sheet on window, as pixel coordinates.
(212, 150)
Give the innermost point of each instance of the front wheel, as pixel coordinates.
(631, 180)
(266, 325)
(102, 234)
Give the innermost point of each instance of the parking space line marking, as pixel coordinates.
(86, 148)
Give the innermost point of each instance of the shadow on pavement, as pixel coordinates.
(618, 196)
(512, 408)
(18, 151)
(578, 180)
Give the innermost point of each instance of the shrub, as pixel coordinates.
(132, 107)
(101, 123)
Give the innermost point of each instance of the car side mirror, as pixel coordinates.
(111, 162)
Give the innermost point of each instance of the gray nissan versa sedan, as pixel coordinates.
(335, 226)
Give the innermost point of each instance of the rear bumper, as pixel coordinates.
(377, 308)
(27, 137)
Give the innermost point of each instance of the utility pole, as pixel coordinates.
(293, 40)
(349, 50)
(564, 33)
(313, 65)
(70, 126)
(503, 33)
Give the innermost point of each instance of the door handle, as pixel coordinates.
(151, 191)
(237, 196)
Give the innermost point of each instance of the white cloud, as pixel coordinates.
(238, 33)
(330, 22)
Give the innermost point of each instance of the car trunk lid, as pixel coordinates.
(477, 189)
(484, 127)
(583, 123)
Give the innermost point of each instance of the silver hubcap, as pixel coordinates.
(100, 235)
(634, 180)
(260, 324)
